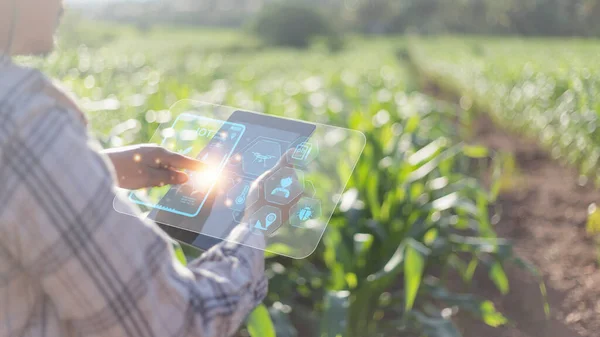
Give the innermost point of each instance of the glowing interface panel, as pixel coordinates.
(280, 177)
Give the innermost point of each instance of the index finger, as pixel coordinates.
(181, 162)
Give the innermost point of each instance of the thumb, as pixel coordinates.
(283, 161)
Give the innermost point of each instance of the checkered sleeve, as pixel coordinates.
(110, 274)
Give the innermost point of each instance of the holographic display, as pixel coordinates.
(280, 177)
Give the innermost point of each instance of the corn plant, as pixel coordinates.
(552, 99)
(410, 208)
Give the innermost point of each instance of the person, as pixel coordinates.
(70, 265)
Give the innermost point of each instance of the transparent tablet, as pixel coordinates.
(281, 177)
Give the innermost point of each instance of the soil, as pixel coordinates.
(544, 215)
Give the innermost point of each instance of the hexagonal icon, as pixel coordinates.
(261, 157)
(302, 152)
(239, 196)
(237, 216)
(305, 211)
(266, 220)
(284, 185)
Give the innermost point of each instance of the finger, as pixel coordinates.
(160, 177)
(181, 162)
(280, 164)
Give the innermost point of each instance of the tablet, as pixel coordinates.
(308, 166)
(254, 144)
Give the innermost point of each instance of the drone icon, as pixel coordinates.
(261, 158)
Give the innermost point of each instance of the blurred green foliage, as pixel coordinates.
(412, 213)
(545, 89)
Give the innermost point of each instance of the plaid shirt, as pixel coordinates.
(72, 266)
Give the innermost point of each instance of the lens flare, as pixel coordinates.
(207, 177)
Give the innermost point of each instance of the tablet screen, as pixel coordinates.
(215, 209)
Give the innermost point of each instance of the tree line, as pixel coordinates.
(519, 17)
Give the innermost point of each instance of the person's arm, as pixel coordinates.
(110, 274)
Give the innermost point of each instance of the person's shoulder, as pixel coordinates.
(28, 98)
(18, 83)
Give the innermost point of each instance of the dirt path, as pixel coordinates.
(544, 215)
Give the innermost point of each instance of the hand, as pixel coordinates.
(257, 193)
(148, 165)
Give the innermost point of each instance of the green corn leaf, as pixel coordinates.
(501, 247)
(470, 271)
(179, 254)
(433, 164)
(499, 278)
(259, 323)
(392, 268)
(426, 152)
(373, 194)
(484, 223)
(414, 264)
(490, 316)
(475, 151)
(412, 124)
